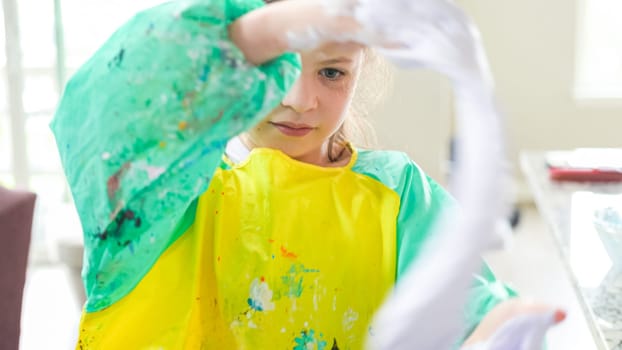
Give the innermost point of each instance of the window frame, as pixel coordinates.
(588, 91)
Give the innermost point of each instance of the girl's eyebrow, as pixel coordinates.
(336, 60)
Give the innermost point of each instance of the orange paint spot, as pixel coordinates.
(271, 241)
(187, 101)
(162, 144)
(262, 279)
(287, 254)
(182, 125)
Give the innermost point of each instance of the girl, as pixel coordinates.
(222, 204)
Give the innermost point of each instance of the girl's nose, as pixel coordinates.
(301, 97)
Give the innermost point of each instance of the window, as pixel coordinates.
(6, 177)
(599, 50)
(88, 23)
(56, 38)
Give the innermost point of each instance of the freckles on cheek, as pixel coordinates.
(346, 88)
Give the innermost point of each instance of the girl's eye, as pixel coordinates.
(331, 73)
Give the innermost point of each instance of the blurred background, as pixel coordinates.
(558, 69)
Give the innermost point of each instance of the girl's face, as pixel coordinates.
(315, 107)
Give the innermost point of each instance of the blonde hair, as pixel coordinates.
(373, 85)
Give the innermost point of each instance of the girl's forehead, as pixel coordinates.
(335, 51)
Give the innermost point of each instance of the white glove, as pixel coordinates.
(433, 34)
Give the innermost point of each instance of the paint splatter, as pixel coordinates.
(153, 172)
(113, 183)
(120, 219)
(349, 318)
(260, 298)
(188, 99)
(308, 341)
(287, 254)
(117, 59)
(193, 54)
(205, 73)
(292, 281)
(371, 331)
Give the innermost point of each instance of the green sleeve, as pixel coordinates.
(422, 201)
(141, 128)
(486, 293)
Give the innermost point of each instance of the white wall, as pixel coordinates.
(416, 118)
(531, 46)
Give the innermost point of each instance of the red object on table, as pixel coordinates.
(578, 174)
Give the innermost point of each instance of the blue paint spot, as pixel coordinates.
(254, 305)
(205, 73)
(307, 338)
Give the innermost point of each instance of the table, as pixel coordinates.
(568, 208)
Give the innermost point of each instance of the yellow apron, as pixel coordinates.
(281, 255)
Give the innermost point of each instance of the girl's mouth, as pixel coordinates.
(292, 129)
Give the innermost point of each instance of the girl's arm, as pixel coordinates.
(270, 31)
(142, 125)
